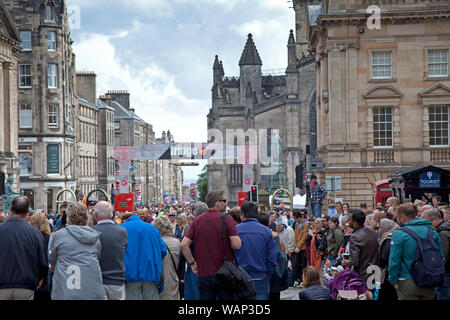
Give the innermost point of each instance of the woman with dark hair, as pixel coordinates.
(312, 288)
(334, 240)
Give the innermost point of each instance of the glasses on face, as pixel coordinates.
(223, 200)
(171, 216)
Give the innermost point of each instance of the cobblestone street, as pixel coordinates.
(290, 294)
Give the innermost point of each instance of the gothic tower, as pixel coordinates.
(250, 67)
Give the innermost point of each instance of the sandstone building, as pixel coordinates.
(46, 100)
(168, 176)
(9, 55)
(383, 94)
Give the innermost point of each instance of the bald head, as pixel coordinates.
(20, 206)
(103, 210)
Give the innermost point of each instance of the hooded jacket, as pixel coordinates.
(145, 251)
(74, 252)
(403, 249)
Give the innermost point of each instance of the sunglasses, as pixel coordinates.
(225, 200)
(171, 215)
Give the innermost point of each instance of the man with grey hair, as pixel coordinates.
(443, 228)
(424, 208)
(113, 238)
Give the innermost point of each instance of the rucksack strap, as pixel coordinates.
(223, 217)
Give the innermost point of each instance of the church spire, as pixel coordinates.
(250, 55)
(217, 71)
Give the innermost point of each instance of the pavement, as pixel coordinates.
(290, 294)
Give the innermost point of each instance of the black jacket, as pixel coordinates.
(22, 255)
(314, 292)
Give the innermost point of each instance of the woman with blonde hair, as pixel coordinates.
(170, 261)
(40, 221)
(73, 255)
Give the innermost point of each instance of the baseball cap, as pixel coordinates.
(338, 268)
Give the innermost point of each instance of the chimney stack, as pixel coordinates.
(120, 96)
(86, 86)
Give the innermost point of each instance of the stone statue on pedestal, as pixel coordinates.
(9, 195)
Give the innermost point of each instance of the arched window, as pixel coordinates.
(50, 10)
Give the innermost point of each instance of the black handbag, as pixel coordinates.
(234, 278)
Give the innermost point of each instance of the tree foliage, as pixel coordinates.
(202, 185)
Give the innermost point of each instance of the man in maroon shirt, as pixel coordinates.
(206, 233)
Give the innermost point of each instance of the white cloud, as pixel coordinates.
(270, 37)
(153, 93)
(152, 7)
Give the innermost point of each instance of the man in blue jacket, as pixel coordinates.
(403, 252)
(257, 255)
(23, 259)
(143, 260)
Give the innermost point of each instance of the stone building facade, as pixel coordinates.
(87, 135)
(168, 175)
(383, 94)
(131, 130)
(105, 148)
(266, 102)
(46, 100)
(9, 55)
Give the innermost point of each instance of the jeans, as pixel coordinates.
(211, 289)
(443, 293)
(191, 291)
(262, 289)
(317, 210)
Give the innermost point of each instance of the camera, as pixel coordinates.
(339, 261)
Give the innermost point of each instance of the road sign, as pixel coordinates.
(242, 196)
(308, 176)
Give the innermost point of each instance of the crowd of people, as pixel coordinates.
(175, 252)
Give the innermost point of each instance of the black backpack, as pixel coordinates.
(233, 277)
(427, 269)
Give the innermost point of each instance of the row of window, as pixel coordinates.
(26, 77)
(437, 63)
(88, 112)
(26, 116)
(27, 45)
(438, 126)
(88, 166)
(88, 133)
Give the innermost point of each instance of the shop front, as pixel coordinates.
(421, 182)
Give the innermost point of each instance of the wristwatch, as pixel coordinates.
(192, 263)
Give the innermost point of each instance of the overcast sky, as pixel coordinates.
(162, 52)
